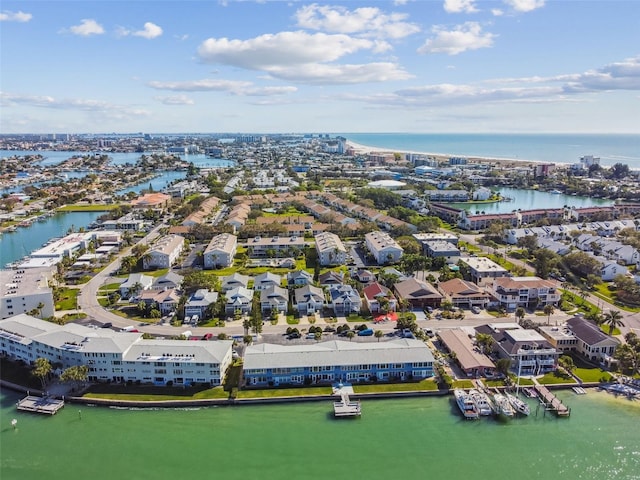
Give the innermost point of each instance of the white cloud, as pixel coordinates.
(230, 86)
(367, 21)
(280, 49)
(150, 30)
(332, 74)
(524, 5)
(468, 36)
(19, 16)
(87, 27)
(175, 100)
(460, 6)
(496, 12)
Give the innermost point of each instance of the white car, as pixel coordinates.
(475, 309)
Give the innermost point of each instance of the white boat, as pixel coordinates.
(518, 405)
(503, 407)
(465, 403)
(482, 402)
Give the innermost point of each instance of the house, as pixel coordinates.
(561, 338)
(527, 292)
(299, 278)
(198, 303)
(166, 299)
(530, 353)
(135, 283)
(163, 253)
(483, 271)
(220, 251)
(593, 343)
(379, 298)
(344, 300)
(238, 300)
(308, 299)
(611, 269)
(329, 362)
(266, 280)
(330, 279)
(168, 280)
(364, 276)
(383, 248)
(274, 298)
(441, 249)
(468, 356)
(464, 294)
(152, 201)
(330, 249)
(418, 293)
(233, 281)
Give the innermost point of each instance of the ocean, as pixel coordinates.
(556, 148)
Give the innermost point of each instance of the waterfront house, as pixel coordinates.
(328, 362)
(593, 343)
(308, 299)
(152, 201)
(468, 356)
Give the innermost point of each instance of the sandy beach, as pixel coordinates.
(503, 162)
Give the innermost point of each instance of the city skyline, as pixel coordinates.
(512, 66)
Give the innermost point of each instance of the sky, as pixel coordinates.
(414, 66)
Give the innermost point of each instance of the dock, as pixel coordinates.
(346, 408)
(47, 405)
(551, 402)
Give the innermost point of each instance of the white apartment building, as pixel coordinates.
(115, 356)
(163, 253)
(331, 250)
(26, 290)
(527, 292)
(383, 248)
(220, 251)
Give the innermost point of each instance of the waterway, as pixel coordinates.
(15, 245)
(405, 438)
(529, 200)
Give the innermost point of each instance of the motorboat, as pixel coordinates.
(466, 404)
(518, 404)
(482, 402)
(503, 407)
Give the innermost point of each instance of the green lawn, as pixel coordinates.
(592, 375)
(109, 287)
(137, 393)
(103, 301)
(494, 383)
(602, 291)
(87, 208)
(67, 299)
(462, 384)
(155, 273)
(525, 382)
(285, 392)
(427, 384)
(553, 378)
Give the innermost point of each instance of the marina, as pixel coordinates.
(551, 402)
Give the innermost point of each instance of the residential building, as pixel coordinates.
(561, 338)
(266, 280)
(238, 300)
(275, 246)
(440, 249)
(168, 280)
(308, 299)
(383, 248)
(274, 298)
(483, 271)
(344, 300)
(469, 358)
(327, 362)
(331, 250)
(198, 303)
(134, 284)
(527, 292)
(379, 298)
(418, 293)
(26, 290)
(299, 278)
(115, 357)
(152, 201)
(163, 253)
(234, 280)
(593, 343)
(330, 279)
(464, 294)
(220, 251)
(166, 299)
(425, 238)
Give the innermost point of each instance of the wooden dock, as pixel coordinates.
(35, 404)
(551, 402)
(346, 408)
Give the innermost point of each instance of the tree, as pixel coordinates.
(566, 362)
(548, 311)
(378, 334)
(485, 342)
(77, 374)
(613, 318)
(350, 335)
(544, 262)
(503, 365)
(520, 313)
(42, 369)
(247, 339)
(318, 335)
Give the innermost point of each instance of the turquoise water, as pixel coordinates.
(531, 199)
(15, 245)
(560, 148)
(399, 439)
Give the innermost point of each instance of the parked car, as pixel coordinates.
(207, 336)
(429, 333)
(367, 332)
(293, 335)
(107, 325)
(475, 309)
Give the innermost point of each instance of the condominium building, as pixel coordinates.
(527, 292)
(220, 251)
(383, 248)
(331, 250)
(26, 290)
(483, 271)
(163, 253)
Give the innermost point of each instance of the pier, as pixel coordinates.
(346, 408)
(551, 402)
(47, 405)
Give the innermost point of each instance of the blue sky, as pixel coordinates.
(294, 66)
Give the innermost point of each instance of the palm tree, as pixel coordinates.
(520, 313)
(42, 369)
(548, 311)
(350, 335)
(613, 318)
(378, 334)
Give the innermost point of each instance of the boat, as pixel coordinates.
(482, 402)
(503, 407)
(556, 192)
(466, 404)
(530, 392)
(518, 405)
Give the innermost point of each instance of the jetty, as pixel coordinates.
(551, 402)
(47, 405)
(346, 408)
